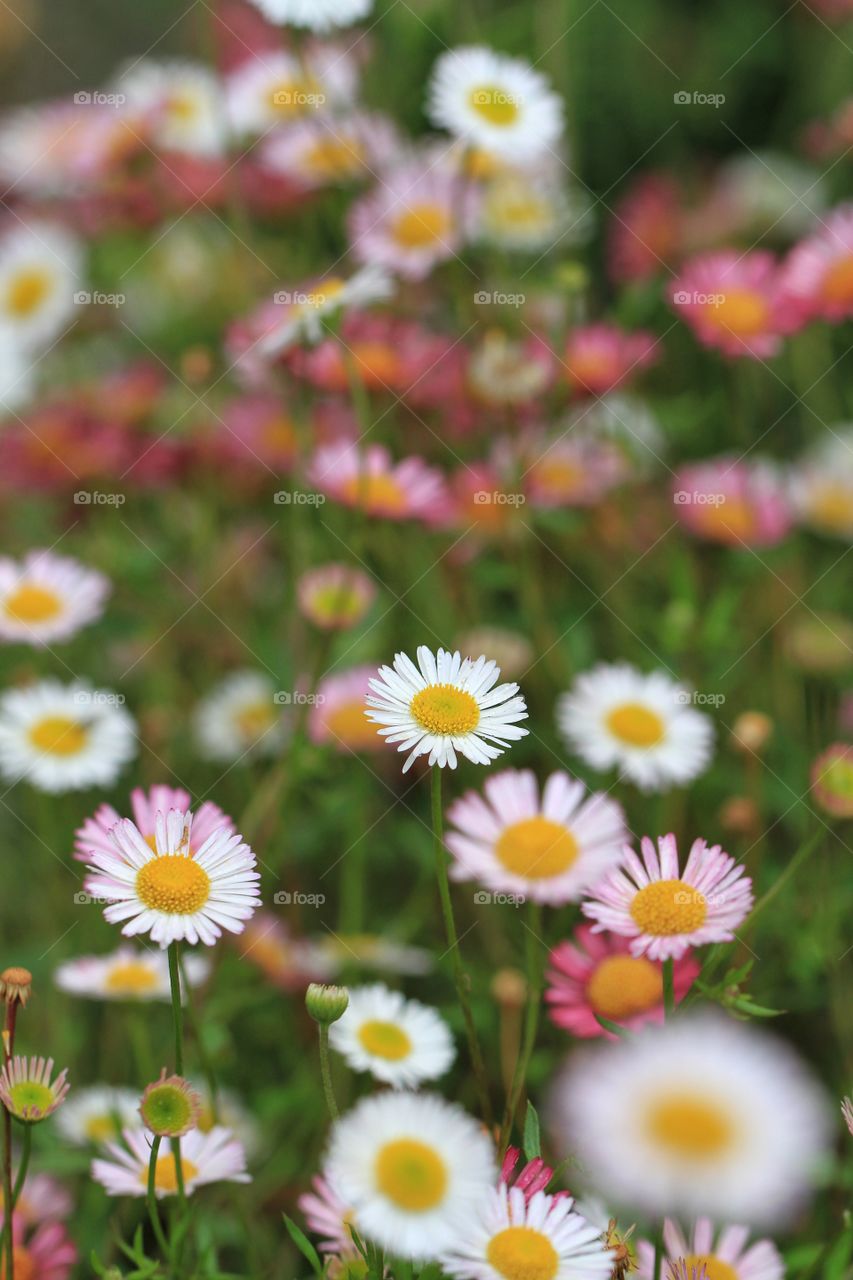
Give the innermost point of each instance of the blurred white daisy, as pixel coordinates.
(46, 597)
(41, 269)
(725, 1253)
(239, 717)
(319, 153)
(444, 705)
(509, 1237)
(64, 737)
(615, 715)
(399, 1041)
(413, 1168)
(277, 88)
(822, 483)
(318, 15)
(307, 311)
(216, 1156)
(98, 1114)
(126, 974)
(17, 374)
(701, 1115)
(181, 102)
(497, 103)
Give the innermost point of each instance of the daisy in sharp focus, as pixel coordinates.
(216, 1156)
(446, 705)
(510, 1237)
(45, 597)
(167, 891)
(493, 102)
(665, 911)
(126, 974)
(41, 268)
(413, 1167)
(615, 715)
(64, 737)
(318, 15)
(548, 848)
(725, 1253)
(144, 807)
(98, 1114)
(401, 1042)
(239, 717)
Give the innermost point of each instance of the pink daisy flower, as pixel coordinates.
(215, 1156)
(94, 835)
(547, 847)
(335, 596)
(259, 429)
(337, 718)
(665, 911)
(45, 597)
(389, 355)
(736, 302)
(42, 1199)
(366, 477)
(533, 1176)
(818, 272)
(411, 222)
(724, 1253)
(46, 1253)
(601, 357)
(328, 1217)
(734, 501)
(646, 231)
(571, 471)
(596, 973)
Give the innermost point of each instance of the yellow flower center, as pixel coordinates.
(29, 1094)
(374, 492)
(131, 978)
(31, 603)
(511, 207)
(443, 709)
(377, 362)
(411, 1174)
(254, 719)
(494, 104)
(174, 883)
(101, 1128)
(26, 292)
(522, 1253)
(665, 907)
(838, 281)
(558, 476)
(689, 1125)
(636, 725)
(421, 226)
(731, 520)
(293, 97)
(832, 507)
(715, 1268)
(59, 736)
(623, 986)
(333, 157)
(166, 1173)
(385, 1040)
(741, 312)
(536, 848)
(279, 433)
(182, 107)
(349, 725)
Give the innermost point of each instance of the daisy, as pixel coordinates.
(144, 807)
(497, 103)
(41, 268)
(231, 1111)
(181, 104)
(338, 717)
(329, 1218)
(319, 15)
(26, 1089)
(413, 1167)
(503, 372)
(216, 1156)
(98, 1114)
(548, 848)
(821, 485)
(239, 717)
(534, 1175)
(572, 470)
(665, 911)
(277, 88)
(769, 192)
(401, 1042)
(444, 705)
(366, 477)
(736, 302)
(529, 213)
(414, 219)
(335, 596)
(43, 1199)
(540, 1239)
(45, 1253)
(615, 715)
(688, 1118)
(723, 1253)
(595, 975)
(165, 890)
(320, 153)
(47, 597)
(303, 314)
(738, 502)
(64, 737)
(600, 357)
(126, 974)
(623, 420)
(818, 273)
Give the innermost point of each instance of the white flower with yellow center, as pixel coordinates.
(216, 1156)
(725, 1253)
(543, 1238)
(318, 15)
(702, 1115)
(98, 1114)
(446, 705)
(277, 88)
(46, 597)
(306, 311)
(240, 717)
(493, 102)
(41, 268)
(413, 1168)
(64, 737)
(399, 1041)
(181, 102)
(163, 889)
(126, 974)
(644, 725)
(822, 483)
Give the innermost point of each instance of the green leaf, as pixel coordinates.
(613, 1027)
(532, 1144)
(304, 1245)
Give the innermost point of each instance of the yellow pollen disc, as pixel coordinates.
(731, 520)
(742, 313)
(254, 719)
(411, 1174)
(101, 1128)
(291, 97)
(536, 848)
(165, 1175)
(385, 1040)
(349, 725)
(689, 1125)
(832, 507)
(443, 709)
(59, 736)
(665, 907)
(182, 107)
(333, 158)
(715, 1268)
(623, 986)
(558, 477)
(377, 362)
(522, 1253)
(421, 226)
(26, 292)
(173, 883)
(132, 978)
(636, 725)
(279, 433)
(494, 105)
(520, 211)
(375, 493)
(837, 285)
(31, 603)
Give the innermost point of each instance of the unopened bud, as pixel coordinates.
(16, 985)
(326, 1004)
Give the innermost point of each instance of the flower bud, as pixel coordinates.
(170, 1107)
(326, 1004)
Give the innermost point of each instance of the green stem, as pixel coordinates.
(23, 1164)
(204, 1058)
(151, 1199)
(326, 1072)
(459, 974)
(658, 1253)
(177, 1011)
(533, 938)
(668, 987)
(8, 1240)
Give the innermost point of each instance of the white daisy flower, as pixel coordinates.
(127, 974)
(240, 717)
(497, 103)
(444, 705)
(182, 104)
(547, 848)
(399, 1041)
(701, 1115)
(98, 1114)
(169, 892)
(216, 1156)
(46, 597)
(543, 1238)
(413, 1168)
(64, 737)
(318, 15)
(41, 269)
(615, 715)
(306, 311)
(278, 88)
(17, 374)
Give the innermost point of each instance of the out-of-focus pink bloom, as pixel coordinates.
(818, 273)
(824, 138)
(387, 354)
(259, 429)
(533, 1176)
(45, 1253)
(484, 499)
(366, 477)
(736, 302)
(645, 233)
(42, 1199)
(599, 358)
(328, 1217)
(571, 471)
(416, 218)
(338, 720)
(318, 153)
(63, 148)
(730, 500)
(335, 597)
